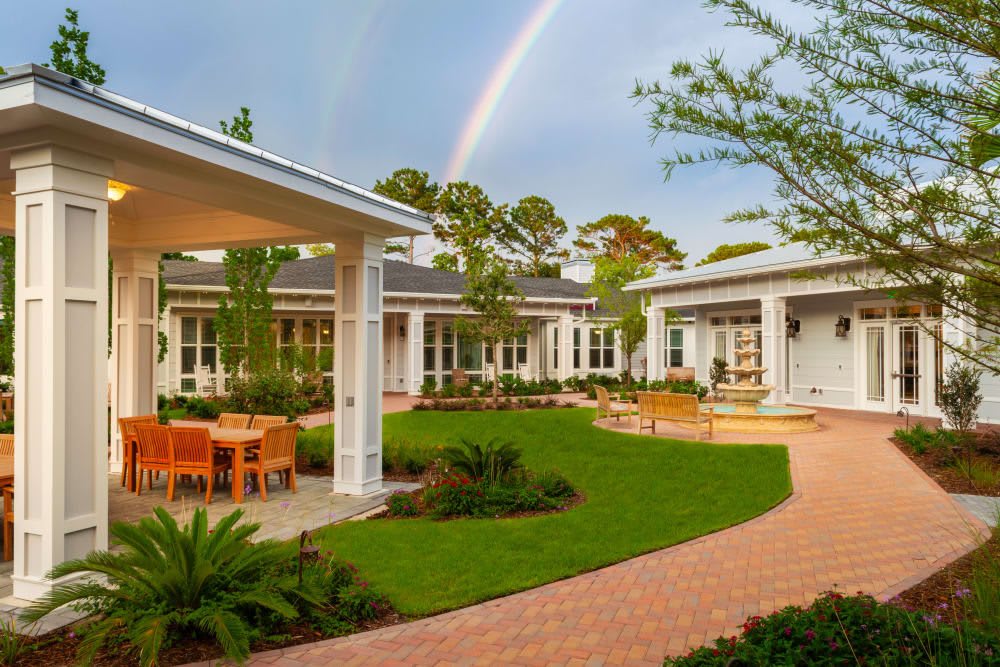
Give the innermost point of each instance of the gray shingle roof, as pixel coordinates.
(317, 273)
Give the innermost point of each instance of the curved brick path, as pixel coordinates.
(862, 517)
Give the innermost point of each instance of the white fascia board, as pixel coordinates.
(653, 283)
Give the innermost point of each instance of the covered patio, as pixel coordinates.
(93, 174)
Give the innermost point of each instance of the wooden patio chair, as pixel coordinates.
(261, 422)
(524, 372)
(611, 408)
(8, 522)
(233, 420)
(7, 444)
(276, 453)
(127, 427)
(205, 382)
(153, 453)
(192, 453)
(6, 406)
(458, 377)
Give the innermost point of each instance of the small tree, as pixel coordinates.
(243, 321)
(718, 374)
(960, 401)
(493, 295)
(624, 309)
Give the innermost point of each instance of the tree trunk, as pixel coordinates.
(411, 248)
(628, 370)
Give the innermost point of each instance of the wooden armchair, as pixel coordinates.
(191, 453)
(611, 408)
(153, 452)
(459, 377)
(276, 453)
(261, 422)
(233, 420)
(127, 427)
(7, 444)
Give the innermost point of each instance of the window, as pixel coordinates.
(555, 347)
(447, 347)
(512, 351)
(198, 348)
(720, 343)
(576, 348)
(872, 313)
(602, 348)
(906, 312)
(430, 346)
(317, 343)
(933, 310)
(718, 321)
(737, 320)
(674, 349)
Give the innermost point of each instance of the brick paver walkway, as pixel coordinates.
(862, 517)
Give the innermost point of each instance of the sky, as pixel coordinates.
(359, 89)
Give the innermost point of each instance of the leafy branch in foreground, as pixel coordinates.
(883, 153)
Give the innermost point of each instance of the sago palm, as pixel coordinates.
(168, 578)
(491, 463)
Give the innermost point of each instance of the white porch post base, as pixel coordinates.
(565, 347)
(415, 358)
(773, 342)
(357, 368)
(655, 366)
(134, 344)
(61, 306)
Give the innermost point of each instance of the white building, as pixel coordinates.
(419, 340)
(882, 357)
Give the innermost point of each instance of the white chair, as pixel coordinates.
(205, 381)
(525, 373)
(488, 373)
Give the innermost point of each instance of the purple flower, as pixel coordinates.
(374, 606)
(834, 646)
(963, 593)
(248, 488)
(810, 635)
(285, 505)
(943, 605)
(788, 632)
(928, 619)
(71, 635)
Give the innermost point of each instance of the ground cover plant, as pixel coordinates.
(837, 629)
(959, 463)
(643, 493)
(170, 585)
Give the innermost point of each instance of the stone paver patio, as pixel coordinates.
(862, 517)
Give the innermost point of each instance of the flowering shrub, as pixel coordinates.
(459, 495)
(455, 495)
(837, 629)
(400, 503)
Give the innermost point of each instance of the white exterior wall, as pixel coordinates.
(822, 365)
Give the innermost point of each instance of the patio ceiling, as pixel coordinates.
(190, 188)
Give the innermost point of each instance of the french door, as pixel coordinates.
(903, 368)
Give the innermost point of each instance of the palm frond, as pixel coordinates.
(228, 630)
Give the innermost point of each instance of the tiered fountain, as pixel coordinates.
(745, 413)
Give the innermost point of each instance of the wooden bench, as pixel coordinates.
(673, 407)
(611, 409)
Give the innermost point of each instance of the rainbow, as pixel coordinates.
(491, 95)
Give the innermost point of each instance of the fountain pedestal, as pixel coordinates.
(746, 393)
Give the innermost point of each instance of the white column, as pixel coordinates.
(60, 460)
(773, 342)
(565, 346)
(655, 363)
(357, 369)
(134, 344)
(415, 353)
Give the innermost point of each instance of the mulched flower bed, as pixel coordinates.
(938, 465)
(940, 588)
(417, 498)
(60, 646)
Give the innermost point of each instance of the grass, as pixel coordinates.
(643, 493)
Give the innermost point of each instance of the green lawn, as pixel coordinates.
(643, 493)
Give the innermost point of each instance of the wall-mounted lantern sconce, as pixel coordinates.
(843, 326)
(792, 327)
(402, 332)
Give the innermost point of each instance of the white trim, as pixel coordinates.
(652, 283)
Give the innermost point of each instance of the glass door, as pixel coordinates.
(873, 337)
(907, 364)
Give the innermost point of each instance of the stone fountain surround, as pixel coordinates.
(746, 396)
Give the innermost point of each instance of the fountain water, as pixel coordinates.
(746, 393)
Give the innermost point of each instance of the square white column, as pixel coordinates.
(357, 368)
(61, 419)
(565, 347)
(773, 342)
(415, 353)
(655, 363)
(134, 344)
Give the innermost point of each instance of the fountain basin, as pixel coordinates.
(767, 419)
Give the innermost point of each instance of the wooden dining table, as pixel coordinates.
(235, 441)
(6, 470)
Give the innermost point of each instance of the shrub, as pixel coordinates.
(960, 397)
(465, 391)
(400, 503)
(553, 484)
(315, 445)
(454, 495)
(718, 374)
(428, 387)
(490, 464)
(269, 391)
(981, 472)
(403, 454)
(918, 438)
(13, 645)
(170, 582)
(508, 384)
(7, 426)
(162, 402)
(203, 408)
(573, 383)
(689, 387)
(837, 629)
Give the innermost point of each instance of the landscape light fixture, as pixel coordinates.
(116, 190)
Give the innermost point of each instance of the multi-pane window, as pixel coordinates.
(576, 347)
(198, 348)
(555, 346)
(430, 346)
(512, 351)
(286, 335)
(674, 349)
(447, 347)
(317, 342)
(602, 348)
